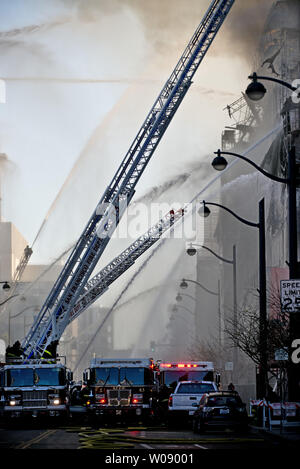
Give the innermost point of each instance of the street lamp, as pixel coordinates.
(293, 378)
(262, 286)
(175, 309)
(256, 90)
(184, 285)
(191, 250)
(291, 182)
(179, 297)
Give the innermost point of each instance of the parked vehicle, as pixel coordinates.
(185, 399)
(220, 410)
(120, 389)
(34, 389)
(169, 374)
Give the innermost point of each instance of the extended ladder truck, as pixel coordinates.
(54, 316)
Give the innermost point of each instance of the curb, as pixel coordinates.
(274, 435)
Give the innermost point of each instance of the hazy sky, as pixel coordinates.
(58, 58)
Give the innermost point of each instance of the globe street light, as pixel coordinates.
(256, 90)
(262, 288)
(191, 250)
(291, 181)
(179, 297)
(175, 309)
(6, 286)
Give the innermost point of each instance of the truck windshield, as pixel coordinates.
(20, 377)
(107, 376)
(172, 377)
(125, 376)
(49, 377)
(195, 388)
(35, 377)
(132, 376)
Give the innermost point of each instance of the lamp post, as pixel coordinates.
(261, 391)
(220, 163)
(256, 91)
(191, 251)
(184, 285)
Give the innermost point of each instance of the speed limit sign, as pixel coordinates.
(290, 295)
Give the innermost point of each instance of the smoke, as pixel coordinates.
(161, 18)
(244, 27)
(113, 307)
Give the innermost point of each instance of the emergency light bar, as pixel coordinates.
(186, 365)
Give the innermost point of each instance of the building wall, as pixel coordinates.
(243, 187)
(12, 245)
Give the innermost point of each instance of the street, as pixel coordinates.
(124, 438)
(149, 229)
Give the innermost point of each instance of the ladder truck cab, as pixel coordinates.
(34, 389)
(120, 388)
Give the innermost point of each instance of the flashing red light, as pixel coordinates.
(189, 366)
(195, 366)
(135, 401)
(102, 401)
(166, 365)
(181, 365)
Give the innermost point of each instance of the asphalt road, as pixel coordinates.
(43, 436)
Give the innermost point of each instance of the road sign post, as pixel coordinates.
(290, 303)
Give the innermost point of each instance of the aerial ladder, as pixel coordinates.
(86, 253)
(100, 282)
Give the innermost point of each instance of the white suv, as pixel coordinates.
(186, 397)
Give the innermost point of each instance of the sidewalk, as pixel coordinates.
(287, 434)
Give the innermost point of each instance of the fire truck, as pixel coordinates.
(35, 386)
(120, 389)
(34, 389)
(168, 375)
